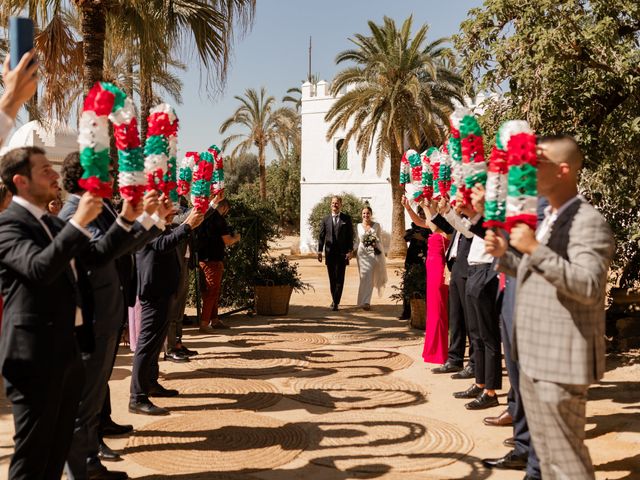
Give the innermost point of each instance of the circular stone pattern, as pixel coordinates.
(384, 442)
(206, 393)
(343, 393)
(279, 341)
(348, 362)
(230, 441)
(384, 338)
(252, 363)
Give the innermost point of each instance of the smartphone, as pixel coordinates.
(20, 38)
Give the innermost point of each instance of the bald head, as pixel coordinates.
(561, 149)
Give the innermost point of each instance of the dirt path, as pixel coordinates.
(332, 396)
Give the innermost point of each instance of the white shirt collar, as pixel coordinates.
(565, 205)
(33, 209)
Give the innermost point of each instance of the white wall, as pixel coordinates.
(319, 176)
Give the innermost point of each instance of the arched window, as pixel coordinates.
(342, 157)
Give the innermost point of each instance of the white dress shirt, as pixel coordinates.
(550, 217)
(38, 213)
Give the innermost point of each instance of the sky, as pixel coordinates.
(274, 54)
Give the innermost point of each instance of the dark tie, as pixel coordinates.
(48, 220)
(335, 227)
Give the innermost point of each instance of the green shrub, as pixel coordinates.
(258, 224)
(413, 283)
(279, 271)
(351, 205)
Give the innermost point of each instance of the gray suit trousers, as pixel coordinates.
(556, 414)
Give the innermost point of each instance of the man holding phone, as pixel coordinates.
(20, 84)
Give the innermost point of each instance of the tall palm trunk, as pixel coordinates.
(146, 99)
(93, 36)
(398, 247)
(262, 170)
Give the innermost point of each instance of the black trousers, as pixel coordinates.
(521, 434)
(44, 408)
(458, 325)
(484, 325)
(154, 323)
(336, 268)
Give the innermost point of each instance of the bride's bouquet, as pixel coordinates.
(370, 241)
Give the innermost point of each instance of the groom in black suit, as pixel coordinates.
(336, 239)
(47, 309)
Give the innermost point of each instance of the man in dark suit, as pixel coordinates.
(158, 277)
(41, 275)
(108, 317)
(336, 239)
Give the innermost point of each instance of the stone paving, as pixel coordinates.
(331, 395)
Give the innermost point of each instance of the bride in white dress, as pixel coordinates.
(371, 258)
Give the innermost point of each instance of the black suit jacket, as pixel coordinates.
(464, 245)
(337, 244)
(159, 264)
(40, 291)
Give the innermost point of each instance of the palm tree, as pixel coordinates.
(262, 124)
(400, 93)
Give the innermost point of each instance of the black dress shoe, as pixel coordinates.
(111, 428)
(188, 352)
(511, 461)
(466, 372)
(100, 472)
(159, 391)
(105, 453)
(446, 368)
(335, 308)
(176, 356)
(509, 442)
(529, 477)
(483, 401)
(146, 408)
(472, 392)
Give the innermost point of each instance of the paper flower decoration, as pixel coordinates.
(201, 186)
(161, 145)
(473, 161)
(427, 177)
(496, 189)
(93, 137)
(411, 175)
(444, 172)
(519, 141)
(185, 175)
(217, 180)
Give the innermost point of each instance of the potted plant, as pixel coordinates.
(276, 278)
(413, 288)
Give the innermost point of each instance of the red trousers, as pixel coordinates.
(213, 278)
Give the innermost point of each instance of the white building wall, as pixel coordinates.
(319, 175)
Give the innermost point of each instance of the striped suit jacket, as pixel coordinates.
(559, 313)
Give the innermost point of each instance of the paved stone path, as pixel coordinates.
(330, 396)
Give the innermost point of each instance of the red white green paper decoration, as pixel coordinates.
(495, 206)
(131, 179)
(454, 146)
(217, 179)
(185, 174)
(519, 141)
(201, 186)
(474, 166)
(411, 175)
(444, 172)
(427, 177)
(93, 137)
(162, 126)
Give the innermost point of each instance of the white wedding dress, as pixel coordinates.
(372, 267)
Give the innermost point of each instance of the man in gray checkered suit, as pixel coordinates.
(559, 318)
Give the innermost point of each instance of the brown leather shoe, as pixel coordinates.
(502, 420)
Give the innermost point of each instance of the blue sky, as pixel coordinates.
(274, 53)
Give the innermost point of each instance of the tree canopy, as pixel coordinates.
(569, 66)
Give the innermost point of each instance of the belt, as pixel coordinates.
(480, 266)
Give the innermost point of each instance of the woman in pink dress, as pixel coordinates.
(436, 338)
